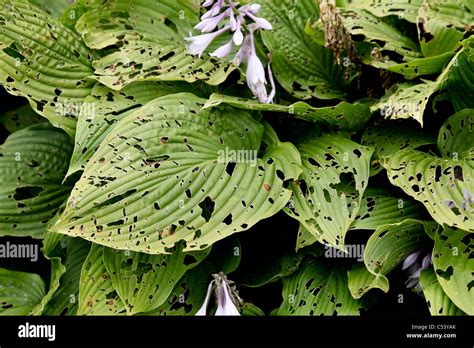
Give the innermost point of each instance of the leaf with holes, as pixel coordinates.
(20, 118)
(389, 137)
(325, 210)
(42, 60)
(303, 68)
(379, 207)
(390, 244)
(456, 136)
(20, 292)
(97, 295)
(146, 42)
(189, 293)
(437, 300)
(404, 9)
(145, 281)
(105, 107)
(454, 266)
(65, 299)
(379, 33)
(443, 185)
(172, 171)
(361, 281)
(32, 167)
(317, 289)
(460, 81)
(341, 116)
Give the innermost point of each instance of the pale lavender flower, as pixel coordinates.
(223, 51)
(209, 24)
(233, 17)
(226, 297)
(199, 43)
(414, 264)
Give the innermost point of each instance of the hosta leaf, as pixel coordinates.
(64, 301)
(437, 300)
(164, 174)
(32, 167)
(324, 210)
(442, 24)
(404, 9)
(317, 289)
(341, 116)
(454, 266)
(409, 100)
(53, 7)
(97, 295)
(20, 292)
(390, 244)
(376, 31)
(422, 66)
(20, 118)
(361, 281)
(444, 186)
(379, 208)
(392, 136)
(57, 270)
(189, 293)
(460, 81)
(149, 43)
(42, 60)
(304, 238)
(456, 136)
(145, 281)
(302, 67)
(105, 107)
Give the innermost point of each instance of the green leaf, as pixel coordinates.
(324, 209)
(303, 68)
(422, 66)
(55, 8)
(317, 289)
(341, 116)
(304, 238)
(144, 281)
(404, 9)
(437, 300)
(453, 264)
(105, 107)
(456, 136)
(65, 299)
(97, 295)
(361, 281)
(409, 100)
(443, 185)
(147, 41)
(461, 77)
(271, 269)
(42, 60)
(379, 207)
(20, 292)
(17, 119)
(379, 33)
(390, 244)
(32, 167)
(164, 174)
(189, 293)
(389, 137)
(442, 24)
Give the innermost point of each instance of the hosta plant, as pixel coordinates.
(186, 157)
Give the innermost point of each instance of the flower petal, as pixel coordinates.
(203, 309)
(411, 259)
(223, 51)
